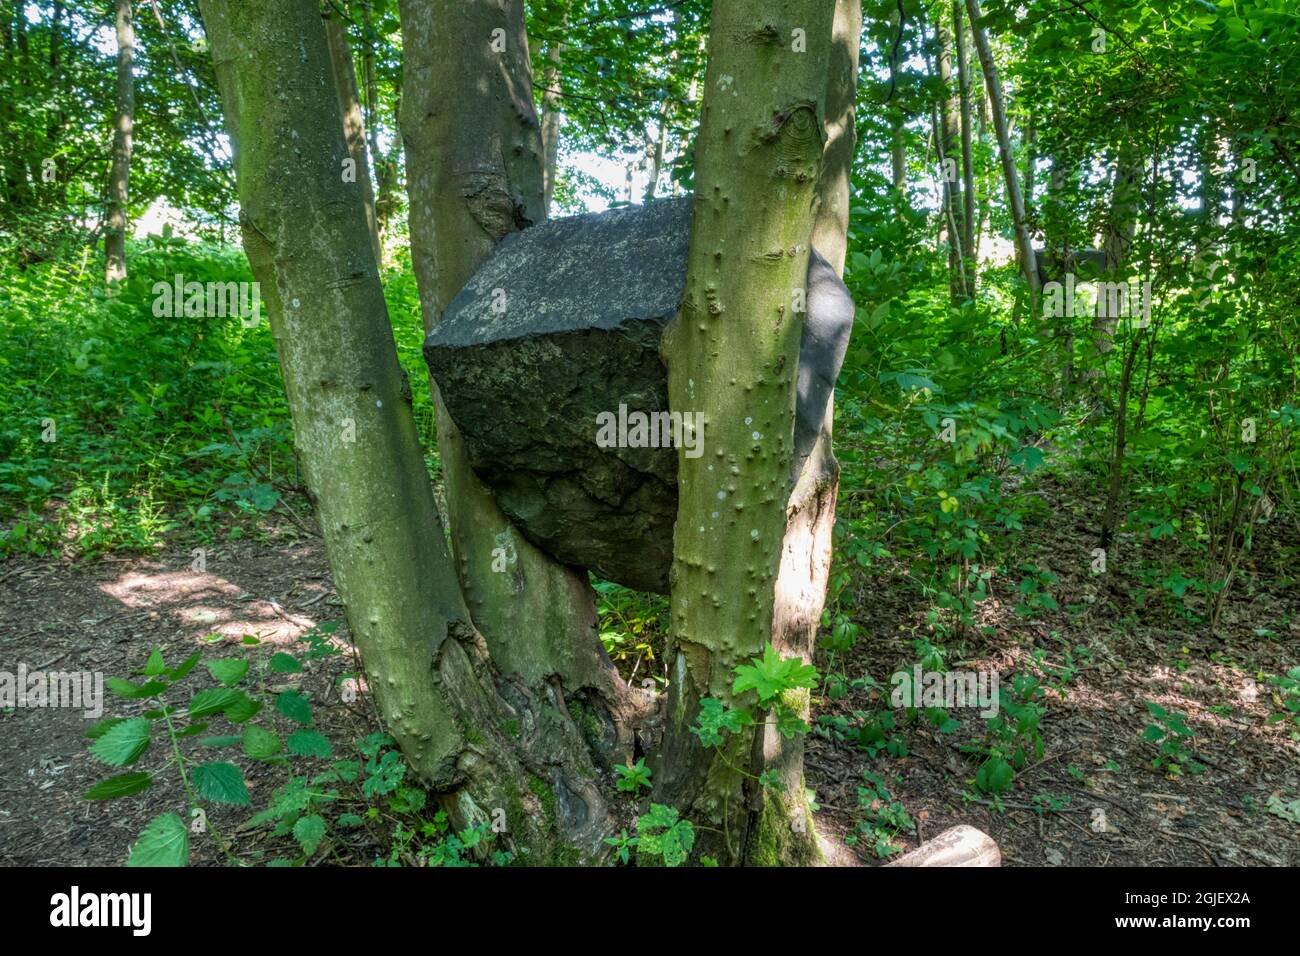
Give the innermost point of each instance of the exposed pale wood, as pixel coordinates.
(959, 846)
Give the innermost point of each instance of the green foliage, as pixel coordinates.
(1171, 735)
(882, 819)
(320, 795)
(632, 779)
(661, 834)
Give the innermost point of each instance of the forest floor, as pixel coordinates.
(1102, 803)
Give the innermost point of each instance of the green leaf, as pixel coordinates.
(260, 744)
(124, 688)
(244, 708)
(220, 783)
(294, 706)
(309, 743)
(309, 831)
(123, 743)
(213, 701)
(185, 666)
(228, 672)
(995, 776)
(164, 842)
(674, 843)
(282, 663)
(98, 730)
(155, 665)
(123, 785)
(772, 674)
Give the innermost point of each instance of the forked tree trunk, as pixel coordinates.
(123, 128)
(732, 354)
(998, 111)
(482, 742)
(474, 175)
(354, 129)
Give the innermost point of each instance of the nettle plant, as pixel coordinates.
(324, 795)
(662, 835)
(1172, 737)
(1011, 736)
(1287, 697)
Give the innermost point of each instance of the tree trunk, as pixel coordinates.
(967, 160)
(474, 175)
(552, 118)
(354, 130)
(831, 225)
(304, 231)
(997, 108)
(123, 123)
(732, 355)
(949, 133)
(1117, 243)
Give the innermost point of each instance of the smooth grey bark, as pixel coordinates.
(474, 175)
(441, 698)
(123, 131)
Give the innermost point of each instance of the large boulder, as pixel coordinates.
(552, 347)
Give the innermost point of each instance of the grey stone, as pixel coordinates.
(563, 322)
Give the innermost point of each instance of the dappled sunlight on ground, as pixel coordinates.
(200, 599)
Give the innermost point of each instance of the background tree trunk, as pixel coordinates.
(354, 130)
(997, 108)
(948, 142)
(426, 665)
(967, 160)
(471, 183)
(552, 117)
(123, 125)
(732, 353)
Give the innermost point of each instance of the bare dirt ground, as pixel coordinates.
(1109, 805)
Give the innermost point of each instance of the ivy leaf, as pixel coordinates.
(123, 743)
(220, 783)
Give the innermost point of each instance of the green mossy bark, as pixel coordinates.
(732, 353)
(306, 238)
(474, 172)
